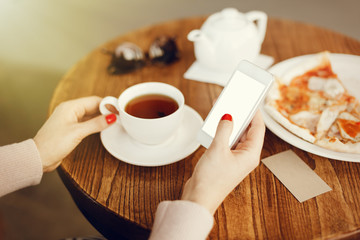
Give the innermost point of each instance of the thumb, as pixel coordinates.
(96, 124)
(224, 130)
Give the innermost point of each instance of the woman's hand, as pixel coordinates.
(67, 126)
(220, 169)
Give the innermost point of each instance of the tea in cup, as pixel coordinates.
(149, 112)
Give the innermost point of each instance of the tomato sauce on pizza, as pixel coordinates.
(316, 106)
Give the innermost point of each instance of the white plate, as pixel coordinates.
(347, 67)
(119, 144)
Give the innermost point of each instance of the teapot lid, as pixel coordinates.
(229, 19)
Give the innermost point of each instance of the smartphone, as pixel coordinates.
(241, 97)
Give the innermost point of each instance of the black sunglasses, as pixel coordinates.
(128, 57)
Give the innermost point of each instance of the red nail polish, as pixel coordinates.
(227, 117)
(110, 118)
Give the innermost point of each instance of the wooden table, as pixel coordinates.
(120, 199)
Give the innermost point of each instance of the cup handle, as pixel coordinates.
(108, 100)
(261, 19)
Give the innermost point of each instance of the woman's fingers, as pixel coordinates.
(223, 131)
(254, 135)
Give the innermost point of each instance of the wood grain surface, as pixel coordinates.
(120, 199)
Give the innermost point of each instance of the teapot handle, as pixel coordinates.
(261, 19)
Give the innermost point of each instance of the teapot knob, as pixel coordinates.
(230, 13)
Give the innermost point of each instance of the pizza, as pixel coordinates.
(311, 101)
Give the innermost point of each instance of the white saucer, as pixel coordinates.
(119, 144)
(199, 73)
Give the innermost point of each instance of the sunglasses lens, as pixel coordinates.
(126, 58)
(164, 50)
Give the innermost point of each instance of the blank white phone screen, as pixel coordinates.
(238, 99)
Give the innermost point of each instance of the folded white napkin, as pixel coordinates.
(203, 74)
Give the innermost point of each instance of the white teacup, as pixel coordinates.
(148, 131)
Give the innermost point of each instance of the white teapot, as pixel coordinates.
(227, 37)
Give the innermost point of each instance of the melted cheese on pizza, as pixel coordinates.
(317, 102)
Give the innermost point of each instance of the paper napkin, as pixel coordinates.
(200, 73)
(296, 175)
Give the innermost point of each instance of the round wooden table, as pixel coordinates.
(120, 199)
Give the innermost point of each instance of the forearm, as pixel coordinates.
(181, 220)
(20, 166)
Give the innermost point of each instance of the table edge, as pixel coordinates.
(103, 219)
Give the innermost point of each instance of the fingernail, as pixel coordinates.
(110, 118)
(227, 117)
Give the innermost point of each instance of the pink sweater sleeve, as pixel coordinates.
(20, 166)
(181, 220)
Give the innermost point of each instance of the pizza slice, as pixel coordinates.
(311, 102)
